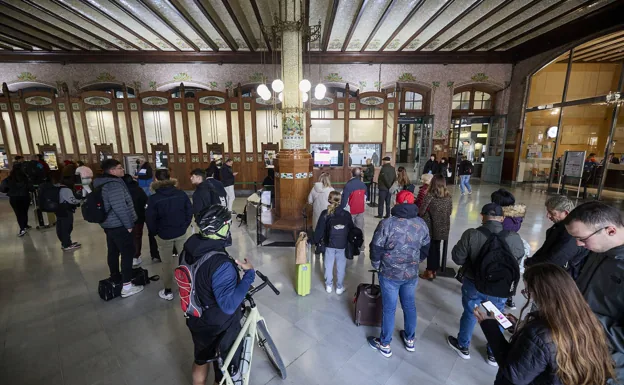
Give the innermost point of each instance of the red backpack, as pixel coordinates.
(185, 277)
(357, 201)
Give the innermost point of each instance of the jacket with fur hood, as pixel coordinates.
(169, 211)
(514, 215)
(318, 198)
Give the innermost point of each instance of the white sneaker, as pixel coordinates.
(328, 289)
(469, 192)
(136, 261)
(22, 233)
(129, 290)
(340, 290)
(167, 296)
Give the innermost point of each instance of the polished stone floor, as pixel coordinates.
(54, 329)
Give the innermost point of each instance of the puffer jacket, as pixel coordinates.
(602, 284)
(529, 358)
(472, 241)
(400, 243)
(437, 215)
(514, 215)
(318, 198)
(169, 211)
(560, 248)
(117, 202)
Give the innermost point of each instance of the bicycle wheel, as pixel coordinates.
(266, 343)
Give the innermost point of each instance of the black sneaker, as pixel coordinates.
(491, 360)
(454, 344)
(28, 227)
(156, 260)
(378, 216)
(510, 304)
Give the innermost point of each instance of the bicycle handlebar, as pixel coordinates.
(266, 280)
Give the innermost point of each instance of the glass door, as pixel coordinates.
(423, 142)
(494, 151)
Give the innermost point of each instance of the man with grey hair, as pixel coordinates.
(354, 198)
(559, 247)
(600, 229)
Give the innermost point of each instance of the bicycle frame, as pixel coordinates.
(249, 328)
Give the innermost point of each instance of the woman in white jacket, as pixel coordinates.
(319, 196)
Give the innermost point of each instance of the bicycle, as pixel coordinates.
(253, 328)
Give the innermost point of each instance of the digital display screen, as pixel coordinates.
(326, 157)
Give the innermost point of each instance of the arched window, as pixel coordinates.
(472, 100)
(189, 92)
(413, 101)
(116, 89)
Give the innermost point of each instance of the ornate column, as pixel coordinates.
(293, 166)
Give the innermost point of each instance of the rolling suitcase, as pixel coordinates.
(368, 306)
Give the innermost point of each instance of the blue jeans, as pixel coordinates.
(337, 256)
(464, 180)
(471, 298)
(390, 290)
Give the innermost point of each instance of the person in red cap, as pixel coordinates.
(399, 244)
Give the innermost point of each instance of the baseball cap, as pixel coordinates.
(492, 210)
(405, 196)
(386, 158)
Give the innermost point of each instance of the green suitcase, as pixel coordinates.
(304, 278)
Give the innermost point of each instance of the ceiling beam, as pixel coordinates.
(147, 57)
(16, 43)
(203, 7)
(496, 25)
(131, 15)
(378, 25)
(599, 47)
(451, 23)
(354, 23)
(480, 20)
(329, 24)
(602, 56)
(70, 23)
(256, 10)
(95, 23)
(192, 23)
(403, 24)
(618, 58)
(426, 24)
(26, 38)
(172, 27)
(6, 47)
(599, 51)
(38, 20)
(37, 33)
(228, 7)
(579, 30)
(541, 25)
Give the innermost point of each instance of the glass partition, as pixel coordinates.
(326, 131)
(10, 140)
(547, 83)
(359, 152)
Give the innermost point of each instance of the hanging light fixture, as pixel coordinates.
(277, 85)
(319, 91)
(281, 97)
(305, 85)
(304, 97)
(263, 90)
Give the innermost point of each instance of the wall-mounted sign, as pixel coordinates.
(97, 100)
(211, 100)
(38, 101)
(155, 100)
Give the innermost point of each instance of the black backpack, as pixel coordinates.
(34, 171)
(93, 207)
(496, 270)
(49, 197)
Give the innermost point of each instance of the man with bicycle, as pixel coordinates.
(219, 289)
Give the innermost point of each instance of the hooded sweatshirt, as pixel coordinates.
(514, 215)
(318, 198)
(169, 211)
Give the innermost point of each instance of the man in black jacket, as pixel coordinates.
(387, 177)
(559, 247)
(600, 229)
(208, 191)
(227, 178)
(139, 199)
(168, 216)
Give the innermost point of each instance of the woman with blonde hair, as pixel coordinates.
(561, 343)
(403, 180)
(436, 211)
(319, 195)
(332, 231)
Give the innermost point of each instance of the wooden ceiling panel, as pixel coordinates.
(400, 14)
(451, 15)
(557, 19)
(35, 33)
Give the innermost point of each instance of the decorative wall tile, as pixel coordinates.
(17, 107)
(177, 106)
(237, 159)
(249, 159)
(247, 106)
(3, 107)
(182, 76)
(310, 174)
(75, 106)
(260, 158)
(182, 159)
(205, 158)
(450, 84)
(333, 77)
(195, 159)
(341, 106)
(120, 106)
(233, 106)
(391, 106)
(190, 106)
(133, 106)
(352, 106)
(61, 106)
(287, 175)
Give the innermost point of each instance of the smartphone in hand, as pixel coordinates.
(493, 311)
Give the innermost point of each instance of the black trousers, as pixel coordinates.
(64, 228)
(137, 236)
(384, 198)
(433, 260)
(369, 196)
(20, 208)
(120, 241)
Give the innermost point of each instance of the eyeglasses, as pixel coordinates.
(591, 235)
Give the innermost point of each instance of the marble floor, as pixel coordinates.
(54, 329)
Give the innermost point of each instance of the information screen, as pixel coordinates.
(326, 157)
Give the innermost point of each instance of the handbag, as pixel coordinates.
(449, 173)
